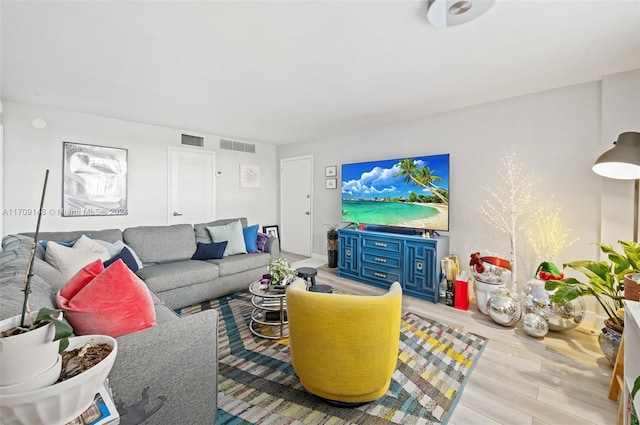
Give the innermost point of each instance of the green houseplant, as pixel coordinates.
(605, 279)
(281, 272)
(605, 282)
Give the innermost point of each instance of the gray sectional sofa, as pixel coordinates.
(166, 374)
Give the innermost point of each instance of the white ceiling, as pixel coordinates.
(287, 71)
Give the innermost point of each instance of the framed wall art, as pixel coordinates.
(331, 183)
(249, 176)
(94, 180)
(331, 171)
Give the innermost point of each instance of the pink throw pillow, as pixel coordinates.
(80, 279)
(115, 302)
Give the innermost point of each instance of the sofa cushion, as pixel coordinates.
(110, 235)
(127, 258)
(241, 263)
(162, 277)
(114, 302)
(161, 244)
(208, 251)
(232, 233)
(68, 260)
(202, 234)
(250, 234)
(116, 248)
(261, 240)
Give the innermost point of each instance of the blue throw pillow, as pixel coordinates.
(209, 251)
(44, 243)
(127, 258)
(251, 237)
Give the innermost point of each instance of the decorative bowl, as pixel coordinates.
(48, 378)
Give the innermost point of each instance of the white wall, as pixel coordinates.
(556, 135)
(28, 152)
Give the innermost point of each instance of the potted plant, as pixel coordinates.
(28, 343)
(605, 283)
(280, 272)
(40, 380)
(332, 245)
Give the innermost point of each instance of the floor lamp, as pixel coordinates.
(622, 162)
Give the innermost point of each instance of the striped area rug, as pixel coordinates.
(257, 384)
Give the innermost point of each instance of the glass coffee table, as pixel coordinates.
(269, 317)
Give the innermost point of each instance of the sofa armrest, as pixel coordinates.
(168, 374)
(272, 246)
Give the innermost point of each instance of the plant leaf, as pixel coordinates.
(632, 251)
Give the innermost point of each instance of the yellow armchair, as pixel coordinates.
(344, 348)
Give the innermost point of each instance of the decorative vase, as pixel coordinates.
(64, 401)
(609, 340)
(332, 249)
(28, 355)
(631, 288)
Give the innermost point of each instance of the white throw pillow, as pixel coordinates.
(232, 233)
(69, 260)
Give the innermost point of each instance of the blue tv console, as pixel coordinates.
(381, 258)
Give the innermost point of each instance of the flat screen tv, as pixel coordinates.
(410, 192)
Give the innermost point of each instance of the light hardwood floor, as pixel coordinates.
(562, 378)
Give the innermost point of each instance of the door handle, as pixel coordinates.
(175, 214)
(307, 213)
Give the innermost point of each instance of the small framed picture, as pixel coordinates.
(331, 183)
(271, 231)
(331, 171)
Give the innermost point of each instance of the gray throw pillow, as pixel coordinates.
(232, 233)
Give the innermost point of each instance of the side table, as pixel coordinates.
(268, 304)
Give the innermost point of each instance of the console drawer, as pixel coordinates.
(382, 243)
(382, 276)
(380, 260)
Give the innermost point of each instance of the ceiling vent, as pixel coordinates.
(189, 140)
(232, 145)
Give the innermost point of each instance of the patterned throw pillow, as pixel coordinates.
(261, 241)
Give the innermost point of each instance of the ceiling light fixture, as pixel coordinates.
(447, 13)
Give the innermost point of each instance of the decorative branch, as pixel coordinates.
(550, 234)
(510, 206)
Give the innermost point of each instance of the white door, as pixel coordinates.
(295, 205)
(191, 186)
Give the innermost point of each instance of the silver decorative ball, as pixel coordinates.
(534, 297)
(560, 317)
(503, 308)
(535, 325)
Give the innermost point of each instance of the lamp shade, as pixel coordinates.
(623, 160)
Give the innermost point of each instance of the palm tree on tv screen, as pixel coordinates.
(424, 177)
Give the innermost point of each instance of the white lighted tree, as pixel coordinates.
(510, 206)
(549, 235)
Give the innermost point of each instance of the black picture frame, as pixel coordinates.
(272, 230)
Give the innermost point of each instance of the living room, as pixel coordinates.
(556, 126)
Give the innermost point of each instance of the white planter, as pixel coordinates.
(49, 377)
(25, 356)
(62, 402)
